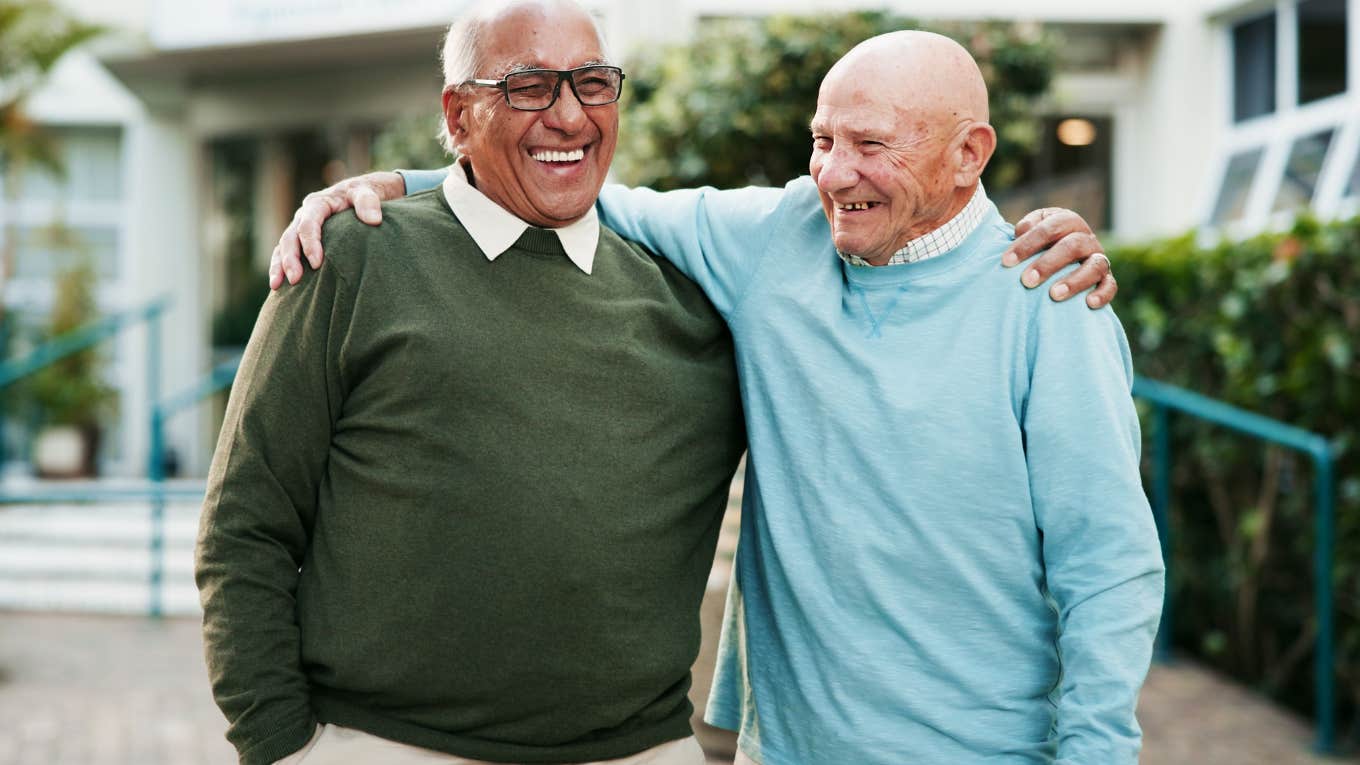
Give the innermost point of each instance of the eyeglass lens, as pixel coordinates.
(536, 89)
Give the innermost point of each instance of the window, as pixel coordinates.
(1253, 45)
(1353, 185)
(43, 252)
(1237, 180)
(1322, 49)
(92, 160)
(1301, 171)
(1293, 137)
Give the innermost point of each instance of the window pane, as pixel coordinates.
(92, 157)
(1232, 195)
(1322, 49)
(1302, 170)
(1353, 185)
(42, 252)
(1254, 68)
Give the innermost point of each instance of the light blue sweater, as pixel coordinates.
(946, 554)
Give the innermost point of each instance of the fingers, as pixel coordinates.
(1091, 272)
(286, 260)
(302, 238)
(1070, 249)
(1102, 295)
(316, 208)
(367, 205)
(1040, 229)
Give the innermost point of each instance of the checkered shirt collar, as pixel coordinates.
(939, 241)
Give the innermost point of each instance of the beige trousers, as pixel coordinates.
(334, 745)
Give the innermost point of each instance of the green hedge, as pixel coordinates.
(1272, 325)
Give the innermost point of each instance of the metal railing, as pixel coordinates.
(1167, 398)
(220, 377)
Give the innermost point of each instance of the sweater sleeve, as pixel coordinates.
(422, 180)
(1100, 550)
(716, 238)
(258, 513)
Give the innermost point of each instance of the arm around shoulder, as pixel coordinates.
(717, 238)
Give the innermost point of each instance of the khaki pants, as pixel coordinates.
(334, 745)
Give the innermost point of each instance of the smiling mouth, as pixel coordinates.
(559, 157)
(856, 206)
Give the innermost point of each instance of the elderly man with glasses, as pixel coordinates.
(468, 489)
(469, 485)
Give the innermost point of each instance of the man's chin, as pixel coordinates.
(565, 214)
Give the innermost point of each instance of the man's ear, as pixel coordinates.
(455, 105)
(976, 145)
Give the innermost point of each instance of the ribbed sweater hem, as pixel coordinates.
(335, 712)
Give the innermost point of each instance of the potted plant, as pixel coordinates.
(70, 395)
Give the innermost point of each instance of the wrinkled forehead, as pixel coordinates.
(539, 39)
(876, 121)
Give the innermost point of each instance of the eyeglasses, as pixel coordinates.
(533, 90)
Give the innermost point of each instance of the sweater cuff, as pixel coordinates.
(280, 744)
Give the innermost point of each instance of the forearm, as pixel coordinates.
(1105, 647)
(251, 641)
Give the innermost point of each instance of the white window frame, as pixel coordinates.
(1278, 131)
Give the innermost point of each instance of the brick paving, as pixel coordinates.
(92, 690)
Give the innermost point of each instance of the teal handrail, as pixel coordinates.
(1167, 398)
(220, 377)
(78, 340)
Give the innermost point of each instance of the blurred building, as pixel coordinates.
(192, 133)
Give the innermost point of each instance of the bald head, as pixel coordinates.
(900, 139)
(922, 72)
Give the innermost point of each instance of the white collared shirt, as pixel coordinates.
(496, 230)
(939, 241)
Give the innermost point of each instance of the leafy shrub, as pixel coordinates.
(1271, 325)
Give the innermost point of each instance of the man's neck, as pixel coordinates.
(958, 202)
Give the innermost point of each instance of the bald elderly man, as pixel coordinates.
(946, 554)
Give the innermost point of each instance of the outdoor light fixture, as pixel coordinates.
(1076, 132)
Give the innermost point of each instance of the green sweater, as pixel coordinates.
(468, 505)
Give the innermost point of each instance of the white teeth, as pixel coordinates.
(855, 206)
(559, 156)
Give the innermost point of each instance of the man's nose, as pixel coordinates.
(838, 170)
(566, 114)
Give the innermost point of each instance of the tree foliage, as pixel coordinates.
(731, 108)
(34, 35)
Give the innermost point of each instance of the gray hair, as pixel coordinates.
(461, 57)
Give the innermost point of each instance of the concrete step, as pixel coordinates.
(95, 557)
(93, 596)
(28, 561)
(108, 527)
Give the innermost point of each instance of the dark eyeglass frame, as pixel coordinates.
(568, 75)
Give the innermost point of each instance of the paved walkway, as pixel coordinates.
(83, 690)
